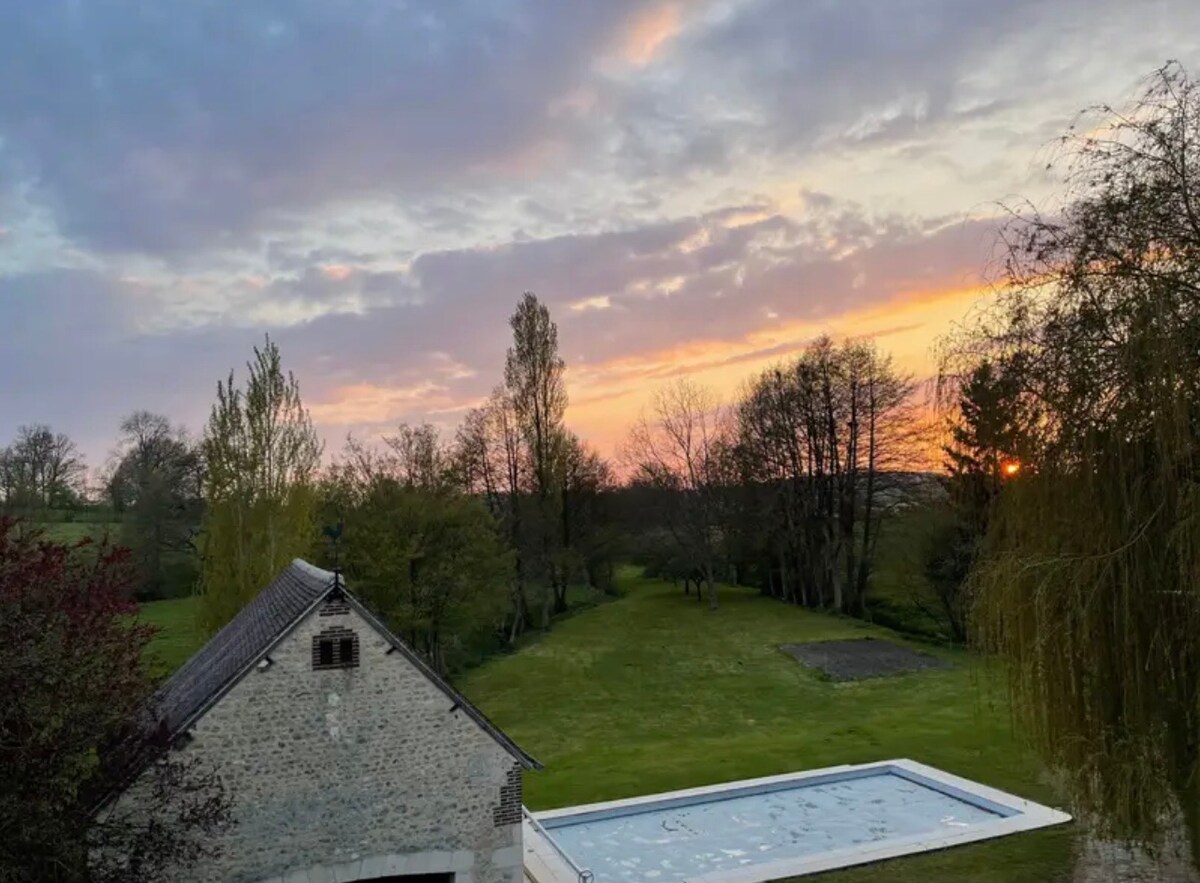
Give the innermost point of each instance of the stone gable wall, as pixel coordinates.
(344, 774)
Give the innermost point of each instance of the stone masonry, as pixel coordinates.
(354, 773)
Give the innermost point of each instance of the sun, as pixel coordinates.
(1011, 468)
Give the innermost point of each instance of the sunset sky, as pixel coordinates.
(693, 187)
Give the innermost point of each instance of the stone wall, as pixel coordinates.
(354, 773)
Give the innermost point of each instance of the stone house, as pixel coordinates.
(346, 756)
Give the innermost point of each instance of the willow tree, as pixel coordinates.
(261, 457)
(1089, 584)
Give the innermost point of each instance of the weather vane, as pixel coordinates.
(334, 532)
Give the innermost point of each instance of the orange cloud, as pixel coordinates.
(372, 403)
(337, 272)
(607, 396)
(649, 32)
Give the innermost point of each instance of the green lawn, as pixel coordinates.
(653, 692)
(178, 636)
(74, 531)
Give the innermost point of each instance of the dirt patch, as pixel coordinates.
(861, 658)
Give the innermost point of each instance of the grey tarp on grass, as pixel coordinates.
(860, 658)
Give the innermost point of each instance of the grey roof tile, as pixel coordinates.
(203, 677)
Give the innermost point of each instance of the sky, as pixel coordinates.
(693, 188)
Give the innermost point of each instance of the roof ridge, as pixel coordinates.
(258, 627)
(312, 569)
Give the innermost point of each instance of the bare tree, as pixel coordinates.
(157, 480)
(492, 460)
(681, 447)
(588, 539)
(41, 469)
(417, 457)
(820, 440)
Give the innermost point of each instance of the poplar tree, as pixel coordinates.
(261, 454)
(533, 377)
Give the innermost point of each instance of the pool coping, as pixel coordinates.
(1016, 814)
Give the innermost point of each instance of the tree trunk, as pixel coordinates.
(864, 560)
(520, 610)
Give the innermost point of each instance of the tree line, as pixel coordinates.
(468, 541)
(786, 487)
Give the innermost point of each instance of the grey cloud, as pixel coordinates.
(284, 257)
(71, 357)
(779, 77)
(730, 281)
(170, 127)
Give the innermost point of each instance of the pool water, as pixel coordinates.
(682, 838)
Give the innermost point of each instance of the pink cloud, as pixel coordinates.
(649, 32)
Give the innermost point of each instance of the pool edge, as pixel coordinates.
(1023, 815)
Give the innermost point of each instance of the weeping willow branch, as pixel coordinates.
(1088, 584)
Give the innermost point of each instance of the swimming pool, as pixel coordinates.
(767, 829)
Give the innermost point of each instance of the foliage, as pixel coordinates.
(72, 684)
(431, 563)
(156, 483)
(261, 455)
(990, 429)
(1088, 584)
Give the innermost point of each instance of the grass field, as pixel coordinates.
(178, 636)
(654, 692)
(74, 531)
